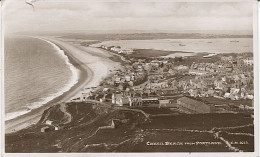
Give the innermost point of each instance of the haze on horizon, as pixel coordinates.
(125, 16)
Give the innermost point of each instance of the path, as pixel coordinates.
(67, 114)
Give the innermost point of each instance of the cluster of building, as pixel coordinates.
(118, 49)
(230, 78)
(49, 126)
(129, 77)
(161, 82)
(167, 83)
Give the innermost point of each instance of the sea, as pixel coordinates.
(36, 71)
(209, 45)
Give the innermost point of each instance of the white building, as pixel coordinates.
(116, 49)
(126, 51)
(181, 67)
(197, 72)
(248, 61)
(48, 122)
(127, 78)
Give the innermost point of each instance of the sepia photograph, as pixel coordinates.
(123, 76)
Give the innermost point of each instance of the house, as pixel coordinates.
(127, 78)
(106, 89)
(248, 61)
(117, 80)
(56, 128)
(248, 96)
(232, 97)
(130, 83)
(147, 67)
(218, 84)
(194, 65)
(196, 83)
(168, 91)
(172, 72)
(226, 58)
(248, 107)
(104, 47)
(163, 103)
(116, 98)
(207, 82)
(126, 51)
(197, 72)
(116, 49)
(191, 106)
(119, 99)
(136, 101)
(155, 63)
(211, 92)
(181, 67)
(102, 98)
(147, 101)
(85, 95)
(125, 101)
(99, 97)
(193, 92)
(45, 129)
(48, 122)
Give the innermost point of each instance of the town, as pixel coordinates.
(216, 83)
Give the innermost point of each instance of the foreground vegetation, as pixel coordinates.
(86, 131)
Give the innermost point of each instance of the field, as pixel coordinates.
(199, 121)
(198, 59)
(225, 101)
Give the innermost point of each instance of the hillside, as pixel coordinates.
(77, 122)
(92, 127)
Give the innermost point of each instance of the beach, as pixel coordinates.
(92, 70)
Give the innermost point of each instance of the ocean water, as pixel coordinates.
(36, 71)
(212, 45)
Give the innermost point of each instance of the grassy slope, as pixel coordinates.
(80, 135)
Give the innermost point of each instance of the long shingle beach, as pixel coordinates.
(93, 69)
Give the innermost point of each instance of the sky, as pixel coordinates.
(87, 15)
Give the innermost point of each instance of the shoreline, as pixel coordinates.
(86, 77)
(66, 87)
